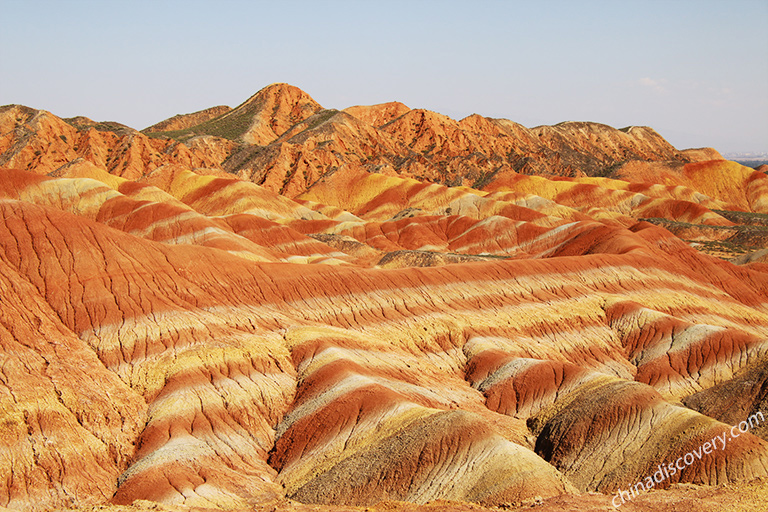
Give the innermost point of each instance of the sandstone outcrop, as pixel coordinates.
(376, 307)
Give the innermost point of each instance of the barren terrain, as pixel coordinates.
(279, 306)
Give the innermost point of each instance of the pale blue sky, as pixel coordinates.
(696, 71)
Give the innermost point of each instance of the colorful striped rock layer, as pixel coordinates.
(281, 307)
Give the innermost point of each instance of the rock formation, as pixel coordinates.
(279, 306)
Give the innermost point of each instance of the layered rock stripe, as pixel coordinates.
(175, 333)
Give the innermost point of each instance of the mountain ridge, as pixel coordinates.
(471, 150)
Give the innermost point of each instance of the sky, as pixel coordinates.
(694, 70)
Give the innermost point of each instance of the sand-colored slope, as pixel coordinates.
(614, 200)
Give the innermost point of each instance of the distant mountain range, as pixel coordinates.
(746, 156)
(753, 160)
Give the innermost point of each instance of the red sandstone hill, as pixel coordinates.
(284, 307)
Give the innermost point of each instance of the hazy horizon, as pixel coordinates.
(696, 72)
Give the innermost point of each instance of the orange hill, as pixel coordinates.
(279, 306)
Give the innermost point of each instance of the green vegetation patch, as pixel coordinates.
(316, 120)
(231, 125)
(748, 218)
(724, 246)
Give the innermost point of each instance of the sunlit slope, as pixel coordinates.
(733, 184)
(284, 140)
(148, 212)
(324, 383)
(607, 199)
(40, 142)
(524, 216)
(282, 306)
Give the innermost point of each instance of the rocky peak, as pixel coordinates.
(274, 110)
(259, 120)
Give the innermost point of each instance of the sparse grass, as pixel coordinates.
(667, 223)
(317, 119)
(232, 125)
(741, 239)
(719, 247)
(109, 126)
(164, 135)
(429, 149)
(71, 122)
(484, 179)
(471, 255)
(750, 218)
(610, 171)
